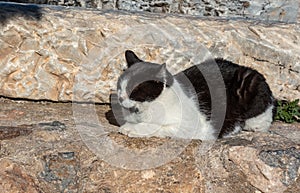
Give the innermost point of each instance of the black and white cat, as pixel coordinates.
(156, 103)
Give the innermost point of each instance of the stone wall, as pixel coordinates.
(275, 10)
(65, 54)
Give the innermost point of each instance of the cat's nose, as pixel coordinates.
(121, 99)
(133, 110)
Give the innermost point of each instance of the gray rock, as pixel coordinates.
(276, 10)
(251, 161)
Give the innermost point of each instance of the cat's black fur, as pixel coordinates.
(153, 84)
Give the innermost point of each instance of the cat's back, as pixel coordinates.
(247, 92)
(240, 81)
(209, 70)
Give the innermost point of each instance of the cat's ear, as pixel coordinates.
(162, 71)
(165, 75)
(131, 58)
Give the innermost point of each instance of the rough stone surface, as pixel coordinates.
(275, 10)
(54, 158)
(64, 54)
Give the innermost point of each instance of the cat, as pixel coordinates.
(156, 103)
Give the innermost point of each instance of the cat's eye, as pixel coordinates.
(147, 91)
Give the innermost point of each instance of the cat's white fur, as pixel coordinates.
(261, 122)
(236, 130)
(127, 103)
(172, 114)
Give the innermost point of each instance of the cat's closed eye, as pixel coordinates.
(146, 91)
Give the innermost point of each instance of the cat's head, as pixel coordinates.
(141, 81)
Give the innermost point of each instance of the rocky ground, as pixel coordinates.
(42, 151)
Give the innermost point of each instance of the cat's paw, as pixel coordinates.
(125, 129)
(139, 130)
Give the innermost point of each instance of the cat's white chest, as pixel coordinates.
(172, 114)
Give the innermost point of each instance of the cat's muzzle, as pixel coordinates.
(132, 109)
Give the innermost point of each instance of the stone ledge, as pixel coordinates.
(52, 157)
(65, 54)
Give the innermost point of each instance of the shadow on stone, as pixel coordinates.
(115, 114)
(13, 10)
